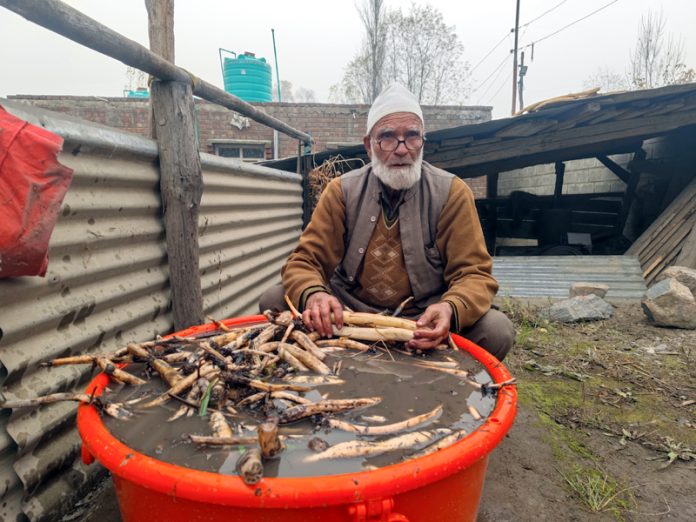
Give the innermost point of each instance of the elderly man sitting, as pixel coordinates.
(396, 228)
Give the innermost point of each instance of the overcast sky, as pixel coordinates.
(317, 38)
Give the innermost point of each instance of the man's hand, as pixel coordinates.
(318, 310)
(432, 327)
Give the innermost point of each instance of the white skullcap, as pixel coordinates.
(394, 98)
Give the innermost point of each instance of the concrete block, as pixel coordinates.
(598, 289)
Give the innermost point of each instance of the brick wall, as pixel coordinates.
(327, 123)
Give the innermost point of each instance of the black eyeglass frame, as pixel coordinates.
(399, 142)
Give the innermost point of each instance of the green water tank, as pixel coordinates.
(248, 77)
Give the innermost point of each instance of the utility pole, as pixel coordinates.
(514, 60)
(520, 82)
(276, 136)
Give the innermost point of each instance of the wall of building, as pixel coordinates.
(330, 125)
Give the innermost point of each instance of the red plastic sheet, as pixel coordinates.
(32, 187)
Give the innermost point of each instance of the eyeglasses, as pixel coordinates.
(390, 143)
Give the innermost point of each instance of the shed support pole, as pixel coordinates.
(558, 189)
(491, 212)
(181, 181)
(630, 192)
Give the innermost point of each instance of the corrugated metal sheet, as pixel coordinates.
(551, 276)
(107, 284)
(250, 221)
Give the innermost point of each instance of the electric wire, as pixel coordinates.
(543, 14)
(507, 80)
(570, 24)
(489, 52)
(492, 82)
(511, 32)
(505, 59)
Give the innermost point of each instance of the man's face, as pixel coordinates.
(396, 150)
(399, 125)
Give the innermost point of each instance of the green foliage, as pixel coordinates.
(598, 491)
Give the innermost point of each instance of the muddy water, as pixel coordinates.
(406, 390)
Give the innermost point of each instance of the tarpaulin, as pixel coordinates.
(32, 187)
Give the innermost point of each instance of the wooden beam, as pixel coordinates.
(543, 158)
(630, 191)
(71, 23)
(491, 211)
(605, 133)
(558, 188)
(618, 170)
(181, 182)
(687, 256)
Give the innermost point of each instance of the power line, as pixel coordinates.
(543, 14)
(501, 86)
(492, 83)
(507, 57)
(511, 32)
(570, 24)
(489, 52)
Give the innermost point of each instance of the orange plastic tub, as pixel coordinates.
(444, 486)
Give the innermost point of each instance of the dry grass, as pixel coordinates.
(321, 175)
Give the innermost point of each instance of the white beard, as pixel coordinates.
(398, 178)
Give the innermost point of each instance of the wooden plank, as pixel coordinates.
(587, 112)
(687, 256)
(492, 212)
(456, 142)
(569, 139)
(517, 162)
(666, 241)
(680, 204)
(526, 128)
(558, 187)
(181, 182)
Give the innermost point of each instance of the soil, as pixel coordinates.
(606, 427)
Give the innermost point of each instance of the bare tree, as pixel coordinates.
(658, 58)
(372, 13)
(304, 95)
(607, 80)
(135, 78)
(426, 56)
(420, 51)
(286, 91)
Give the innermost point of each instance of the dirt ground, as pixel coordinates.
(606, 428)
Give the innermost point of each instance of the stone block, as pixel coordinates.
(670, 303)
(580, 308)
(683, 274)
(598, 289)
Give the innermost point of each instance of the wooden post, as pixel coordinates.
(491, 212)
(558, 188)
(181, 183)
(630, 191)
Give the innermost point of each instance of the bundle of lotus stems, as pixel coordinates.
(256, 366)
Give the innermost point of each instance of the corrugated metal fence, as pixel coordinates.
(107, 284)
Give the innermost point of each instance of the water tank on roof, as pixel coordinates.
(247, 77)
(140, 92)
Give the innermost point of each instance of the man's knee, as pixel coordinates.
(494, 332)
(273, 299)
